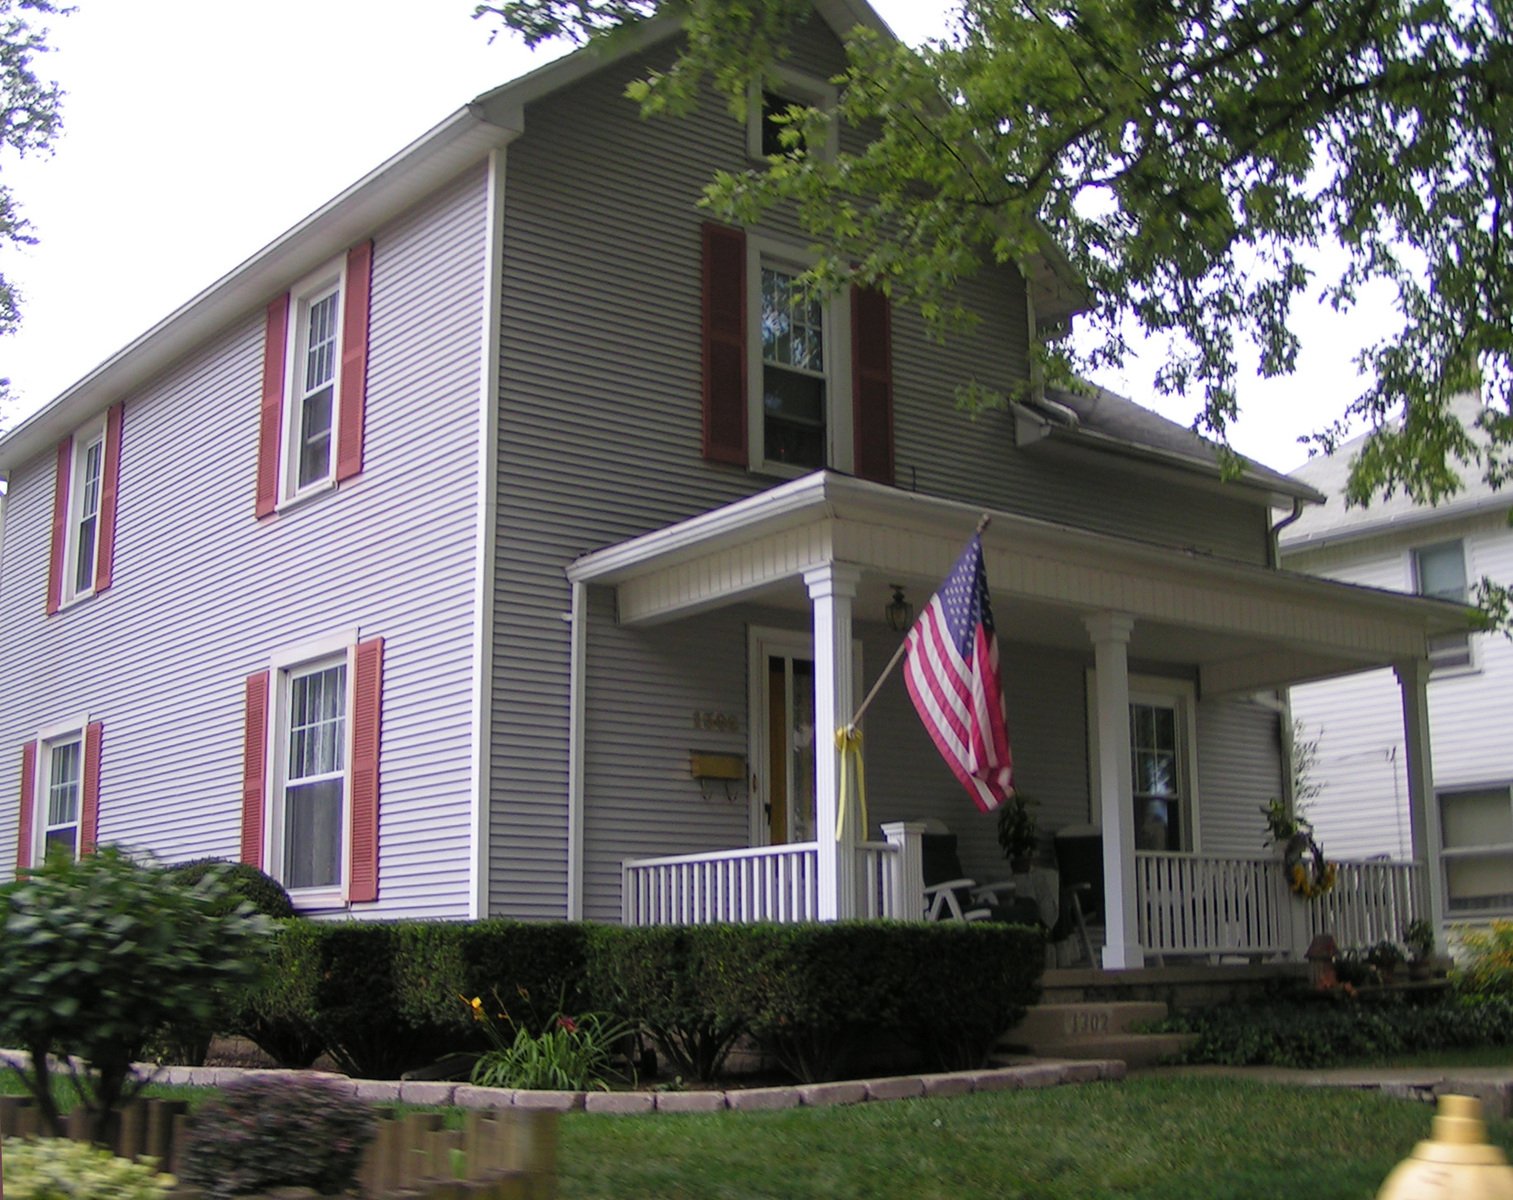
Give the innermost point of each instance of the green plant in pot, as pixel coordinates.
(1418, 936)
(1018, 832)
(1386, 957)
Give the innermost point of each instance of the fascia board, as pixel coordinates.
(1418, 518)
(425, 164)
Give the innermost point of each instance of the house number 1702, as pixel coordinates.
(717, 721)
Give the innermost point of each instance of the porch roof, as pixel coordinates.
(1240, 626)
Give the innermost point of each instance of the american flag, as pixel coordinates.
(952, 676)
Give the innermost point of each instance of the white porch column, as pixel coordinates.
(1423, 814)
(832, 587)
(908, 875)
(1110, 632)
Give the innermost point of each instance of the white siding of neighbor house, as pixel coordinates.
(1358, 720)
(599, 440)
(203, 592)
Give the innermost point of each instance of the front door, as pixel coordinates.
(788, 803)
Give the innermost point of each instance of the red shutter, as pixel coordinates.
(367, 720)
(270, 426)
(89, 808)
(28, 805)
(356, 297)
(105, 557)
(724, 300)
(872, 386)
(254, 768)
(60, 525)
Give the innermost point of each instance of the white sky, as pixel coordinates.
(196, 131)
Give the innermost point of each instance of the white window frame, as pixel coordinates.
(763, 251)
(800, 89)
(96, 433)
(49, 738)
(1181, 695)
(1442, 664)
(329, 280)
(284, 666)
(1451, 854)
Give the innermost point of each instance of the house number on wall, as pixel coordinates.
(717, 721)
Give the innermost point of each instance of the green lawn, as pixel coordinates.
(1169, 1138)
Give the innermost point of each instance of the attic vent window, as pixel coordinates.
(773, 107)
(767, 105)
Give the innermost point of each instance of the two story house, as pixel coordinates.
(1442, 550)
(509, 538)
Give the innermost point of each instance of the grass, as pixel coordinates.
(1150, 1137)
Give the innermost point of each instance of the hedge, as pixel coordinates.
(382, 998)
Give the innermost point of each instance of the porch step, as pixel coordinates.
(1071, 1022)
(1134, 1049)
(1094, 1029)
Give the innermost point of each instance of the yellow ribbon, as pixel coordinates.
(848, 740)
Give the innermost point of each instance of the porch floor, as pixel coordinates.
(1179, 985)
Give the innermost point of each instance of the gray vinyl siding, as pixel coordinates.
(599, 440)
(203, 593)
(1239, 772)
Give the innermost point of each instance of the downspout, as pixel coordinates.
(577, 676)
(1274, 554)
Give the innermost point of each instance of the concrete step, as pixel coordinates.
(1087, 1019)
(1133, 1049)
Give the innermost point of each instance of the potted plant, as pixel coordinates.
(1418, 935)
(1386, 957)
(1018, 833)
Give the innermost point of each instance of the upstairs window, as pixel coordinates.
(84, 511)
(767, 106)
(794, 382)
(1440, 571)
(315, 375)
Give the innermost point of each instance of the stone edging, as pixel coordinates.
(1047, 1073)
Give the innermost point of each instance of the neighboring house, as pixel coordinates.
(1437, 551)
(508, 522)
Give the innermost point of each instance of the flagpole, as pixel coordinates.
(856, 719)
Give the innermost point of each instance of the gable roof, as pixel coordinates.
(466, 137)
(1334, 522)
(1100, 420)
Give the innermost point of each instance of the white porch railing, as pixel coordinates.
(1212, 904)
(1371, 901)
(765, 883)
(1218, 904)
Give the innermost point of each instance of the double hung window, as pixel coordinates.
(60, 791)
(315, 781)
(65, 785)
(794, 382)
(1477, 833)
(1440, 571)
(84, 511)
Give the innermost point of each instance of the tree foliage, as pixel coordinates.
(96, 955)
(1187, 157)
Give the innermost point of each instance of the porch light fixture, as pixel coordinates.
(900, 613)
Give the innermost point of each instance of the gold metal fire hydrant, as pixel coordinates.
(1455, 1162)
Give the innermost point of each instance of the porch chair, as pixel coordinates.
(1079, 860)
(949, 894)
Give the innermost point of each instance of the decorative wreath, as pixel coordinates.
(1307, 873)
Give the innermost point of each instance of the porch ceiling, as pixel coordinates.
(1241, 626)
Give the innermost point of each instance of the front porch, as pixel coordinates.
(1096, 622)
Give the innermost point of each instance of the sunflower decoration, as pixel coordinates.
(1309, 874)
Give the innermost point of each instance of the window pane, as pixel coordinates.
(63, 841)
(793, 418)
(317, 725)
(1476, 819)
(315, 438)
(1480, 884)
(84, 561)
(772, 142)
(63, 784)
(1441, 571)
(793, 327)
(312, 844)
(320, 343)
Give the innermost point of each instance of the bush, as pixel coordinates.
(1321, 1030)
(260, 1134)
(62, 1169)
(97, 955)
(242, 882)
(1486, 960)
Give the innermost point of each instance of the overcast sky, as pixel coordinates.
(196, 131)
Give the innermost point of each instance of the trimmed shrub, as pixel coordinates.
(260, 1134)
(665, 977)
(240, 881)
(332, 986)
(536, 969)
(63, 1169)
(1321, 1030)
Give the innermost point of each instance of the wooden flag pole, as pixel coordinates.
(982, 523)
